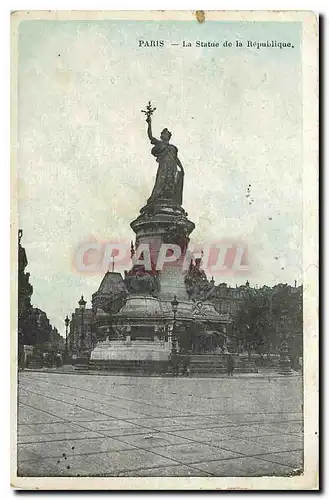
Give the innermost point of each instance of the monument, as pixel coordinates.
(134, 315)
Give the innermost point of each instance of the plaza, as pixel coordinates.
(97, 425)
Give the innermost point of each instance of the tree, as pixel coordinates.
(253, 319)
(287, 310)
(269, 314)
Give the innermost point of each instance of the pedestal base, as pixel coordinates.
(137, 350)
(81, 362)
(285, 370)
(144, 357)
(285, 366)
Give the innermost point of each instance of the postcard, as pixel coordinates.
(164, 250)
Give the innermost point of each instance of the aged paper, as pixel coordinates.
(164, 236)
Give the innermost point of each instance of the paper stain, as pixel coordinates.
(200, 16)
(63, 77)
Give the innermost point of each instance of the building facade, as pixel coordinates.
(81, 327)
(35, 333)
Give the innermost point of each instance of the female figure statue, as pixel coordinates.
(170, 175)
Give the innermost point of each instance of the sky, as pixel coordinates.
(84, 166)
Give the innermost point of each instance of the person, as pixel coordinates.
(185, 363)
(174, 360)
(230, 365)
(47, 360)
(58, 360)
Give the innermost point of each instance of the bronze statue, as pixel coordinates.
(139, 281)
(170, 175)
(197, 285)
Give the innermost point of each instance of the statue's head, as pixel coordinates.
(165, 135)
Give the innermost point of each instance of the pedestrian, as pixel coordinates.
(47, 360)
(185, 363)
(230, 365)
(174, 360)
(58, 360)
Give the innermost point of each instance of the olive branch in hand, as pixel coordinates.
(148, 111)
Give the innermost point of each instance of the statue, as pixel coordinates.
(170, 175)
(140, 281)
(197, 285)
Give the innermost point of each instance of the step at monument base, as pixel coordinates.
(217, 363)
(210, 364)
(129, 366)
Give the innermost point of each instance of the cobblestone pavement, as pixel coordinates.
(82, 425)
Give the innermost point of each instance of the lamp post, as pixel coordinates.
(82, 304)
(82, 360)
(174, 305)
(67, 322)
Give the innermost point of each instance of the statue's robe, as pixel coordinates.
(169, 179)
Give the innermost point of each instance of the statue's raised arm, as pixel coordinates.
(149, 130)
(149, 112)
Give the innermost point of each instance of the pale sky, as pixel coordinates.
(84, 163)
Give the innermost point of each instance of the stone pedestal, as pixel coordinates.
(166, 224)
(146, 315)
(127, 356)
(172, 283)
(137, 308)
(127, 350)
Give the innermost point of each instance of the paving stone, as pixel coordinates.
(60, 436)
(249, 466)
(172, 471)
(277, 441)
(259, 419)
(250, 431)
(110, 425)
(194, 452)
(154, 440)
(153, 422)
(255, 446)
(25, 430)
(129, 431)
(39, 468)
(293, 459)
(164, 426)
(70, 448)
(27, 415)
(206, 436)
(288, 427)
(50, 428)
(104, 464)
(114, 462)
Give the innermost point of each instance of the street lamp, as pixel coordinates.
(174, 305)
(67, 322)
(82, 304)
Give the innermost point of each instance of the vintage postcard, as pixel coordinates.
(164, 250)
